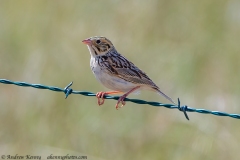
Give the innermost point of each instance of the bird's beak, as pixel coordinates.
(87, 41)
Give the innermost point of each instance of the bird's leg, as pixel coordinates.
(100, 95)
(121, 99)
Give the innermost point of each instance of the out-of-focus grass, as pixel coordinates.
(189, 48)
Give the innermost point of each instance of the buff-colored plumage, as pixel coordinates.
(115, 72)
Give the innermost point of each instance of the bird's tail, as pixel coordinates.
(164, 95)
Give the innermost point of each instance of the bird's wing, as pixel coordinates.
(134, 75)
(119, 66)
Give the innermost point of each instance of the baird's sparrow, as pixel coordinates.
(115, 72)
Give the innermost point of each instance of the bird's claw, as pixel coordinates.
(100, 96)
(121, 100)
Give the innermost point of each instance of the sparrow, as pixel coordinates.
(116, 72)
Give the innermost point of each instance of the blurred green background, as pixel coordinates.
(191, 49)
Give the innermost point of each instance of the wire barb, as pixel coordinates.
(67, 90)
(183, 109)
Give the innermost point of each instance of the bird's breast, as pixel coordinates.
(109, 80)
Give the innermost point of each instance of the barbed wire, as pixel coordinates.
(67, 91)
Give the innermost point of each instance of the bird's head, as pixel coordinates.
(98, 45)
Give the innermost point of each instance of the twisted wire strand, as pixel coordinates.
(67, 91)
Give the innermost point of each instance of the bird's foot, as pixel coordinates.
(121, 100)
(100, 97)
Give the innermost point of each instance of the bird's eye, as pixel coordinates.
(98, 41)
